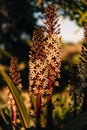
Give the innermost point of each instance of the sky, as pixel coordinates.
(70, 31)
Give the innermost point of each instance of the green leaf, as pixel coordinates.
(18, 99)
(33, 101)
(77, 123)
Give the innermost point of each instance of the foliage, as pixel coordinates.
(77, 123)
(19, 101)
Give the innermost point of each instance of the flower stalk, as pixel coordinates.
(84, 69)
(45, 62)
(53, 53)
(75, 92)
(15, 73)
(36, 66)
(16, 78)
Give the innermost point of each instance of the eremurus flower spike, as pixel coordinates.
(45, 62)
(51, 20)
(36, 67)
(15, 72)
(16, 78)
(53, 55)
(83, 68)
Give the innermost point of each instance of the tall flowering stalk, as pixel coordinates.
(37, 72)
(45, 62)
(15, 72)
(76, 90)
(16, 78)
(53, 55)
(84, 69)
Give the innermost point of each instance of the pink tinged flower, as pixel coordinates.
(14, 119)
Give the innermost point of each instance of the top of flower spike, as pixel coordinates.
(38, 41)
(50, 11)
(84, 46)
(15, 72)
(51, 20)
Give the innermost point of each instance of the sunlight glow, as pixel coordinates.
(70, 31)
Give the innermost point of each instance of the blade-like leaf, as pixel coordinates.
(77, 123)
(18, 99)
(33, 101)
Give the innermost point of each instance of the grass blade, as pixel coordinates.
(18, 99)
